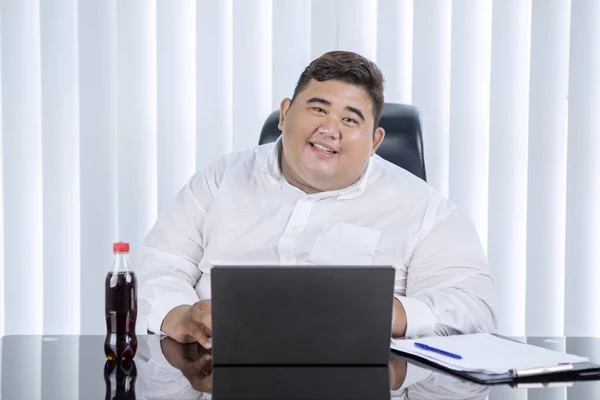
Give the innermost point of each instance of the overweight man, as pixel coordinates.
(319, 196)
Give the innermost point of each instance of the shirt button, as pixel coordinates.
(295, 229)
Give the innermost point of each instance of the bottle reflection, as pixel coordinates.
(120, 377)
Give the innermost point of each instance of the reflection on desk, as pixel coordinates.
(397, 381)
(72, 367)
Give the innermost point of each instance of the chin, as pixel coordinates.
(322, 182)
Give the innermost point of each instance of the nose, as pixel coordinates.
(329, 128)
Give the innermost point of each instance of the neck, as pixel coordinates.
(295, 181)
(120, 263)
(292, 179)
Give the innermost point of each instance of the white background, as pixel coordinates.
(108, 107)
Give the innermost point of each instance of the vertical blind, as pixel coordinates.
(108, 107)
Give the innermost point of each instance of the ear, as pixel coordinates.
(378, 136)
(283, 108)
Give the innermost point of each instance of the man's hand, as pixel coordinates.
(188, 323)
(398, 319)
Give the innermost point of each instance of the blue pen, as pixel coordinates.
(439, 351)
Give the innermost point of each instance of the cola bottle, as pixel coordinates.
(119, 377)
(120, 290)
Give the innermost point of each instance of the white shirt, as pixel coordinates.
(241, 209)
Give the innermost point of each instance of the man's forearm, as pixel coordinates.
(398, 319)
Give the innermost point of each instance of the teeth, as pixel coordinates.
(318, 146)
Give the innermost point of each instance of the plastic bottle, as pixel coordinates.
(120, 288)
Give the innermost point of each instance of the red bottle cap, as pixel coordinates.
(121, 247)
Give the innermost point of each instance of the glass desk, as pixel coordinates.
(75, 367)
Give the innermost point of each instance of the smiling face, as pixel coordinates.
(327, 136)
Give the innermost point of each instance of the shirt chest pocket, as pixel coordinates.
(345, 244)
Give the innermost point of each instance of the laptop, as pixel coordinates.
(302, 315)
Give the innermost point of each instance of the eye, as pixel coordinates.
(351, 120)
(318, 109)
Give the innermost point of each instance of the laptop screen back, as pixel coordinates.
(301, 315)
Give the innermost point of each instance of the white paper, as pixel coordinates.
(482, 352)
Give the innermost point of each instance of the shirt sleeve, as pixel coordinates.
(449, 286)
(173, 250)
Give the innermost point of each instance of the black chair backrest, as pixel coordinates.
(403, 143)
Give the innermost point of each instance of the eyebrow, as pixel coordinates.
(356, 111)
(318, 100)
(328, 103)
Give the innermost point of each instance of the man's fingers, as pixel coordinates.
(203, 318)
(200, 326)
(198, 332)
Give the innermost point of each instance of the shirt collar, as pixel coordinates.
(272, 171)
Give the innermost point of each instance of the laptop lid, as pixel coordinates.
(302, 315)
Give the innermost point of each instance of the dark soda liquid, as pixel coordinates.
(121, 314)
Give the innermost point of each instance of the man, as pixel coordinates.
(319, 195)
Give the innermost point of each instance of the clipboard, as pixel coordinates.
(580, 372)
(545, 377)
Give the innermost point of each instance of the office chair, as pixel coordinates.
(402, 145)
